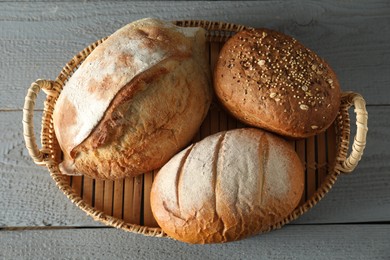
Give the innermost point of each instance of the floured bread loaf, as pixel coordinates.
(135, 101)
(228, 186)
(270, 80)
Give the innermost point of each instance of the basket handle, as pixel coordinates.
(40, 157)
(359, 143)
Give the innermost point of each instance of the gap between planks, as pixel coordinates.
(27, 228)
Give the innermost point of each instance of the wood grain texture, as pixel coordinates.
(28, 195)
(37, 39)
(30, 198)
(293, 242)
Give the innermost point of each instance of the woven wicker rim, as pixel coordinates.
(217, 32)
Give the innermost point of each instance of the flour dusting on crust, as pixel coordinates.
(127, 53)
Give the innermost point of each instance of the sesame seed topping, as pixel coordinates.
(303, 107)
(314, 127)
(276, 65)
(261, 62)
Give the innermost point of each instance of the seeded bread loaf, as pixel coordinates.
(228, 186)
(270, 80)
(135, 101)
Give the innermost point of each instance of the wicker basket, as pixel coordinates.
(125, 203)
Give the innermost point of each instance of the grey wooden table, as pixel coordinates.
(37, 221)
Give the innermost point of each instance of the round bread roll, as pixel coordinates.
(228, 186)
(270, 80)
(135, 101)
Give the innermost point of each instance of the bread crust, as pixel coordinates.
(147, 108)
(149, 121)
(270, 80)
(228, 186)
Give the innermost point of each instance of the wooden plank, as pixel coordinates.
(28, 193)
(213, 55)
(346, 35)
(351, 37)
(205, 127)
(108, 197)
(128, 199)
(311, 166)
(321, 157)
(331, 147)
(88, 190)
(149, 219)
(231, 123)
(291, 242)
(99, 194)
(214, 120)
(196, 138)
(214, 114)
(223, 120)
(118, 199)
(301, 151)
(240, 124)
(137, 200)
(77, 184)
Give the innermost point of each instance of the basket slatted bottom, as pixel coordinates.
(128, 199)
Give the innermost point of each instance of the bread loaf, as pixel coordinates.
(270, 80)
(228, 186)
(135, 101)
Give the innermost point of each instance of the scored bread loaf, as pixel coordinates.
(135, 101)
(270, 80)
(228, 186)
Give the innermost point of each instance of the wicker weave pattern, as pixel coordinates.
(49, 155)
